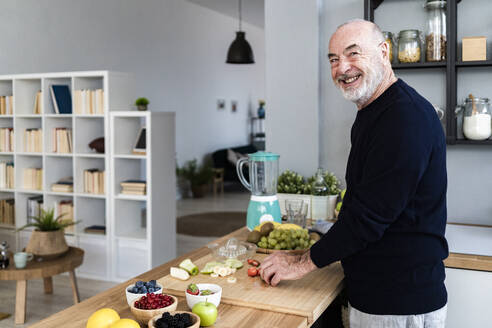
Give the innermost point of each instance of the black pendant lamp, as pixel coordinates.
(240, 51)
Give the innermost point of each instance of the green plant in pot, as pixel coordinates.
(142, 103)
(48, 238)
(199, 176)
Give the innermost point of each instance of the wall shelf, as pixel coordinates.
(451, 65)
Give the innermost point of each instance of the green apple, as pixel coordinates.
(342, 194)
(207, 312)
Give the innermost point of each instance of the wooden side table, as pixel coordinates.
(45, 269)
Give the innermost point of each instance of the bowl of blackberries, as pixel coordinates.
(140, 288)
(175, 319)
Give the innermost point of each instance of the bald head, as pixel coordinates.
(359, 58)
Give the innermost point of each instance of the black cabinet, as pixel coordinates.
(451, 66)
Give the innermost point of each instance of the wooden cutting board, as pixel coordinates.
(307, 297)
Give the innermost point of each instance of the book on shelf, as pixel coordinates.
(133, 187)
(97, 229)
(33, 178)
(33, 140)
(63, 185)
(6, 175)
(34, 206)
(7, 211)
(6, 139)
(38, 103)
(94, 181)
(62, 101)
(88, 102)
(65, 209)
(6, 105)
(61, 140)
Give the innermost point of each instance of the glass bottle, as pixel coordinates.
(319, 191)
(261, 109)
(435, 33)
(409, 46)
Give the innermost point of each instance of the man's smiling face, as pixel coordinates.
(356, 63)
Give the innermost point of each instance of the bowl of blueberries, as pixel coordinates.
(140, 288)
(175, 319)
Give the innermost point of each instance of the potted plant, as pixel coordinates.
(142, 103)
(48, 238)
(198, 176)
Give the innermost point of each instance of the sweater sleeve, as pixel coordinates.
(397, 155)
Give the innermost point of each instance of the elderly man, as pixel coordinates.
(390, 231)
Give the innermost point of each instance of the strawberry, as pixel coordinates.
(192, 289)
(252, 272)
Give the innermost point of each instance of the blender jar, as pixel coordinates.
(263, 173)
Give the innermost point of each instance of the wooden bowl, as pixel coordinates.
(194, 318)
(287, 251)
(143, 316)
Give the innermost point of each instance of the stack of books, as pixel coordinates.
(33, 140)
(63, 185)
(133, 187)
(65, 208)
(6, 105)
(61, 140)
(34, 206)
(99, 229)
(7, 211)
(94, 181)
(89, 102)
(38, 103)
(6, 175)
(6, 139)
(33, 179)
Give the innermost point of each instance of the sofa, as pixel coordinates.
(222, 159)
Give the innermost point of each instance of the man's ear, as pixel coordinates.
(385, 50)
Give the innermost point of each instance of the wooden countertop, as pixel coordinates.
(229, 315)
(469, 262)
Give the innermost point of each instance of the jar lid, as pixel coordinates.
(435, 4)
(408, 34)
(477, 100)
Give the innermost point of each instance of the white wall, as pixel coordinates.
(291, 38)
(175, 49)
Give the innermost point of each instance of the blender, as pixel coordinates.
(263, 174)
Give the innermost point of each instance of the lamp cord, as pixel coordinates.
(240, 15)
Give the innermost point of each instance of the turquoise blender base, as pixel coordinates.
(262, 209)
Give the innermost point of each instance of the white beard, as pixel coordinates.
(370, 81)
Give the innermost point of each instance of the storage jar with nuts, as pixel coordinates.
(435, 35)
(409, 46)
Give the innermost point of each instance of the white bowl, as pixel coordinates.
(131, 297)
(191, 300)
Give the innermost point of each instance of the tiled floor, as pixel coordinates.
(40, 305)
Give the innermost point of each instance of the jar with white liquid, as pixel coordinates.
(477, 119)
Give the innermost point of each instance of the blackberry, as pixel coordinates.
(180, 325)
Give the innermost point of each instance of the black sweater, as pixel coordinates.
(390, 230)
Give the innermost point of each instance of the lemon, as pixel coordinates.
(125, 323)
(102, 318)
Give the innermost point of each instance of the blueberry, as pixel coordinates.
(135, 290)
(139, 283)
(144, 289)
(153, 283)
(151, 290)
(156, 288)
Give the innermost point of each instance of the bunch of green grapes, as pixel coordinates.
(287, 239)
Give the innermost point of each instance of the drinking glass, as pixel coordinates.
(296, 210)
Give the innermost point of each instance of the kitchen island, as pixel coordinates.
(229, 315)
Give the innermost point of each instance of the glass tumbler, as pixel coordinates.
(296, 211)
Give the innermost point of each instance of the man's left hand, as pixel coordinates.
(280, 266)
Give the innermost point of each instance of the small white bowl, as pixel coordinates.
(131, 297)
(191, 300)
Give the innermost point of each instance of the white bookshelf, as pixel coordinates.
(90, 209)
(144, 245)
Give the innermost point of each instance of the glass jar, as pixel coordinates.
(477, 119)
(388, 37)
(409, 46)
(435, 33)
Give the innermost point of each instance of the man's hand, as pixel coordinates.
(280, 266)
